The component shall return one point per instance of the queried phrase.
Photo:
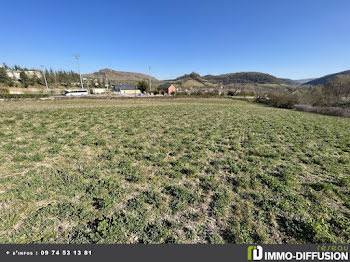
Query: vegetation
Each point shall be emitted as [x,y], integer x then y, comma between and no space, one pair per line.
[171,171]
[198,94]
[244,77]
[4,79]
[54,78]
[333,98]
[193,76]
[335,91]
[117,77]
[24,79]
[323,80]
[4,95]
[4,90]
[60,77]
[143,86]
[279,99]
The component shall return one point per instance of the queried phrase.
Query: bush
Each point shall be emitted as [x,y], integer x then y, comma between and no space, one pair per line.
[231,93]
[4,90]
[318,97]
[23,95]
[324,110]
[246,93]
[282,100]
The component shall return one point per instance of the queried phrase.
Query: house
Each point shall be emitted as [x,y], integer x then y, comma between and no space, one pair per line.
[167,89]
[97,91]
[126,90]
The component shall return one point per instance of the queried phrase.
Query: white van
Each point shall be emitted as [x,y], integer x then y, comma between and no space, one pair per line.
[79,92]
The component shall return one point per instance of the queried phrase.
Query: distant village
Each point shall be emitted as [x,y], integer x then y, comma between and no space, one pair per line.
[94,86]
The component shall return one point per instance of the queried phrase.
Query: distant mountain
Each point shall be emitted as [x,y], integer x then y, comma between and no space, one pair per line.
[323,80]
[296,82]
[195,80]
[290,81]
[303,81]
[244,78]
[118,77]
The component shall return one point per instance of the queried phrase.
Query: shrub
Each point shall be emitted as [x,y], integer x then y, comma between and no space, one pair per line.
[4,90]
[282,100]
[317,97]
[324,110]
[199,94]
[246,93]
[23,95]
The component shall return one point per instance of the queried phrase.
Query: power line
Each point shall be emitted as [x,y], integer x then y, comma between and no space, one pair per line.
[106,77]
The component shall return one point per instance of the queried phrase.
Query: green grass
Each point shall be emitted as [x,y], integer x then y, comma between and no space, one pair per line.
[171,171]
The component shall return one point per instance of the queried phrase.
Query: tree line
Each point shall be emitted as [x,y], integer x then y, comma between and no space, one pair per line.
[53,77]
[332,98]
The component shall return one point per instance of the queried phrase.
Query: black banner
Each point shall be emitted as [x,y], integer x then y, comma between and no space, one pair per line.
[142,253]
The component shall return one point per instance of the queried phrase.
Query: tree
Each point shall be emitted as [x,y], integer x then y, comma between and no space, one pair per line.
[17,68]
[24,79]
[338,86]
[143,86]
[5,66]
[231,92]
[35,80]
[3,76]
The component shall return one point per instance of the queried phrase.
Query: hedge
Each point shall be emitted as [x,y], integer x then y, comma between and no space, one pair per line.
[23,95]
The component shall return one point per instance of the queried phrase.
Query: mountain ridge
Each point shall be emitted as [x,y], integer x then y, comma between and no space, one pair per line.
[324,79]
[196,80]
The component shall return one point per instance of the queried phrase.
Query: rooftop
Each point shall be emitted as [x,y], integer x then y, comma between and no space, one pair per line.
[164,86]
[122,87]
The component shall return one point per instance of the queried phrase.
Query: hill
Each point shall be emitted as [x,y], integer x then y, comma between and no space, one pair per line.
[290,81]
[118,77]
[303,81]
[323,80]
[192,80]
[296,82]
[195,80]
[244,78]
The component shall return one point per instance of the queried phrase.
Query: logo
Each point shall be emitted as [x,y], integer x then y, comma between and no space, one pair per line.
[255,253]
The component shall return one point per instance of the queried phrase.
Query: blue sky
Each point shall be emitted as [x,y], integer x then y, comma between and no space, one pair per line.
[292,39]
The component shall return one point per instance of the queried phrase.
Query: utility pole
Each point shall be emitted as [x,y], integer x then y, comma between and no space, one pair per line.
[44,75]
[106,77]
[150,80]
[81,80]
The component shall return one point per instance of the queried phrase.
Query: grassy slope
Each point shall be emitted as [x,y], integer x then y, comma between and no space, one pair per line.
[118,77]
[184,171]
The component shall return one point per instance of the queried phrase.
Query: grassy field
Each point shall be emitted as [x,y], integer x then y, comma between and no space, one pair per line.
[171,171]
